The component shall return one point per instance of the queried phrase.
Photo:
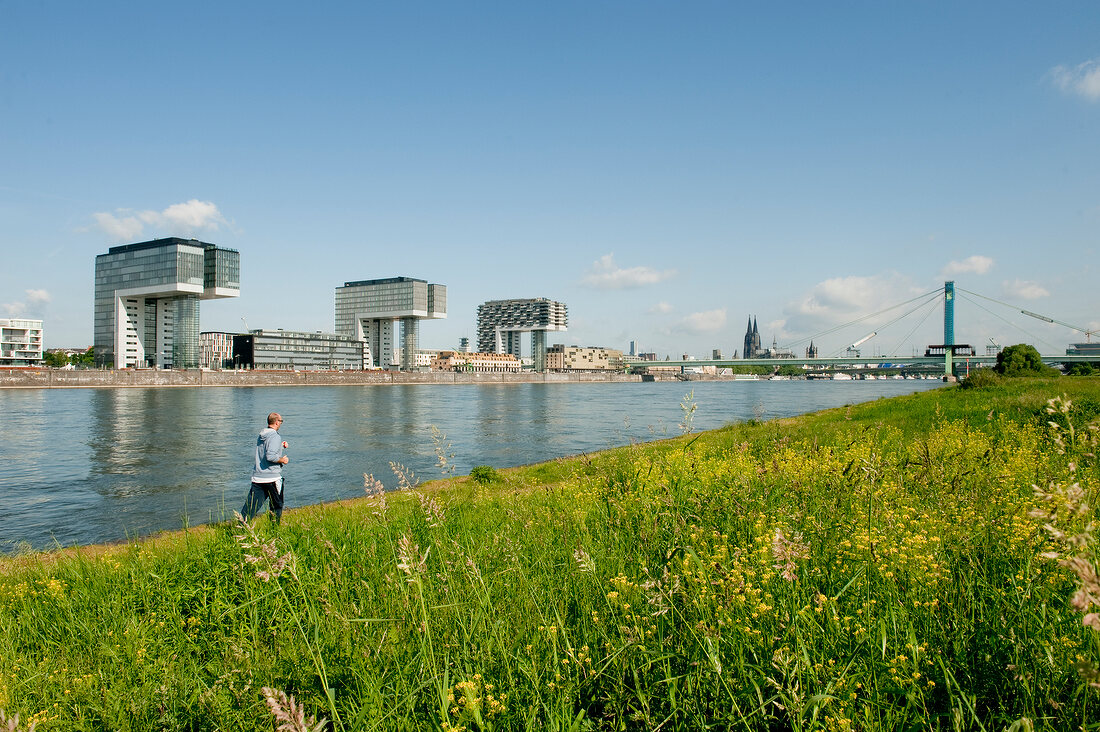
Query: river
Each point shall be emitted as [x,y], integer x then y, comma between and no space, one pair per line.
[92,465]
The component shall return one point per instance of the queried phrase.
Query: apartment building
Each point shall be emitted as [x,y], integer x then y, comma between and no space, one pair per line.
[586,358]
[20,342]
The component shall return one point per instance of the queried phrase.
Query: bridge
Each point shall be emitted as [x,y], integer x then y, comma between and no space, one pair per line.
[954,357]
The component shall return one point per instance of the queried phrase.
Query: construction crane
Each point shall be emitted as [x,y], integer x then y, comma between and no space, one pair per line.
[1088,333]
[853,350]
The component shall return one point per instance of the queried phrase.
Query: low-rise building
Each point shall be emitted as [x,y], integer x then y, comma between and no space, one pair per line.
[216,350]
[425,358]
[299,351]
[587,358]
[1083,349]
[477,362]
[20,342]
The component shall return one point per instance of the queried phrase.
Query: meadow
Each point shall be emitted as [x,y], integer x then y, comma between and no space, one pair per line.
[924,562]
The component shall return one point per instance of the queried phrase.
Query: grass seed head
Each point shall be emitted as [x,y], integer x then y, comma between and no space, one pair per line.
[290,715]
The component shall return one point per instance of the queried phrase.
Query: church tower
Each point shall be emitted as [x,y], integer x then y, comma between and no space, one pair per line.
[752,340]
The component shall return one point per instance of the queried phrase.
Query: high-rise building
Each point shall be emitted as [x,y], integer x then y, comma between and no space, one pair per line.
[501,323]
[147,300]
[20,342]
[386,313]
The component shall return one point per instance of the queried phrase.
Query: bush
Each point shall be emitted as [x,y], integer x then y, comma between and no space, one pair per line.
[484,474]
[1081,368]
[979,378]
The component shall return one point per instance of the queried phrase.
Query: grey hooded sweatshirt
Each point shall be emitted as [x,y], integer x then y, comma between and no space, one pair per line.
[269,448]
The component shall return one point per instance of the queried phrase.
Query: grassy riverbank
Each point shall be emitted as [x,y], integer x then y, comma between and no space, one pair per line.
[875,567]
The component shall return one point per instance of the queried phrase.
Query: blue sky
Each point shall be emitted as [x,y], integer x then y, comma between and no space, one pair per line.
[665,169]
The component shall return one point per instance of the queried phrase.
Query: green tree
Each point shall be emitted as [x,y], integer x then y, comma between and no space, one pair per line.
[84,360]
[1081,368]
[1021,360]
[55,359]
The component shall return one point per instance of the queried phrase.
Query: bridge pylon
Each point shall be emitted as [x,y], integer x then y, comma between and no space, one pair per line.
[948,328]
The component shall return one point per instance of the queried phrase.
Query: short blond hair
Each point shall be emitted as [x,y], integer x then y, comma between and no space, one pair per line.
[273,418]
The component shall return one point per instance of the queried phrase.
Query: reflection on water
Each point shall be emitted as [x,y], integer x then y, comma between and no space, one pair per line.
[88,465]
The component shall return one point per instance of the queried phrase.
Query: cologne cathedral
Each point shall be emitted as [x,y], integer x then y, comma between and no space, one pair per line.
[752,341]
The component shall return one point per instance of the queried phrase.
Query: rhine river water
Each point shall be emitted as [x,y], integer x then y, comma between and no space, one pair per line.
[80,466]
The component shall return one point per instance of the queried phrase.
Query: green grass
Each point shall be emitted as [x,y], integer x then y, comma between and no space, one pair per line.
[871,567]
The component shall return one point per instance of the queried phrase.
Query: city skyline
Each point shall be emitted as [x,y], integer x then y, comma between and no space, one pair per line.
[663,170]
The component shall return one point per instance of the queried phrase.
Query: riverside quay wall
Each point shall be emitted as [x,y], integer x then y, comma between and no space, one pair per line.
[31,378]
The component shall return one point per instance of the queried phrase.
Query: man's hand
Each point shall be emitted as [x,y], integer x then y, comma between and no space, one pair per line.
[284,460]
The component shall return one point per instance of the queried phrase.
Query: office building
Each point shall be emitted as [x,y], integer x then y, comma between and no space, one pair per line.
[501,323]
[1075,349]
[297,351]
[386,315]
[20,342]
[147,300]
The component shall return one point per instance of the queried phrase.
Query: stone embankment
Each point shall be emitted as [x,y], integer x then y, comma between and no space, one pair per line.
[89,378]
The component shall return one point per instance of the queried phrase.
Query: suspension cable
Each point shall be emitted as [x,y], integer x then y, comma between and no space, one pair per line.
[928,314]
[935,296]
[937,292]
[1005,320]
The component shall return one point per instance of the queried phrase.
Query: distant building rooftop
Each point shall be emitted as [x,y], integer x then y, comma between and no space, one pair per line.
[168,241]
[383,281]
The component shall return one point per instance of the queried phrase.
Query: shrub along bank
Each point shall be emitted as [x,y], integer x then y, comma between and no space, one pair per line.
[882,566]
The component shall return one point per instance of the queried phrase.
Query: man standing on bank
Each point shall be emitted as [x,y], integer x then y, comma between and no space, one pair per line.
[267,473]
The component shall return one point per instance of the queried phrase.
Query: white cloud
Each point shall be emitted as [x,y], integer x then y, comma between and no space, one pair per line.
[31,307]
[708,321]
[38,297]
[118,227]
[179,219]
[1025,289]
[660,308]
[192,215]
[976,264]
[606,275]
[1082,80]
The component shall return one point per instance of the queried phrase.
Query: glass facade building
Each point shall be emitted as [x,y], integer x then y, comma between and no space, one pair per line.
[147,300]
[294,350]
[386,314]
